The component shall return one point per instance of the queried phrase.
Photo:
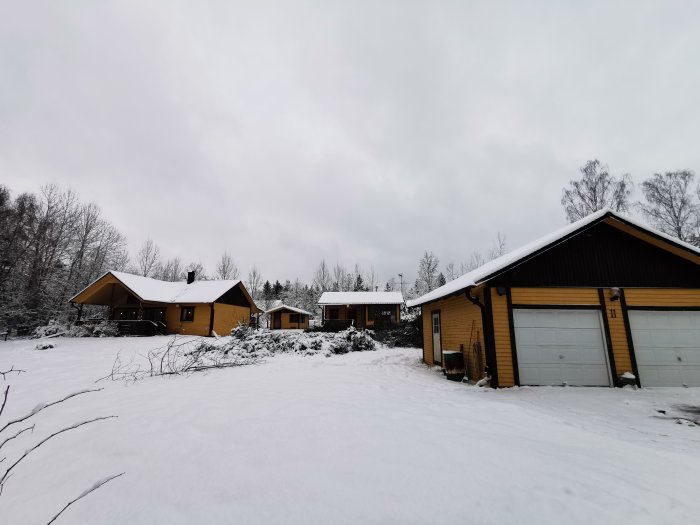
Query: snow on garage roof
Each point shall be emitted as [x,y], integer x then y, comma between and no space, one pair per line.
[290,308]
[488,270]
[337,298]
[154,290]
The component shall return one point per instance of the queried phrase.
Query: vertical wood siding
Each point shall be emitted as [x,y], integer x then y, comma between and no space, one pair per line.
[659,243]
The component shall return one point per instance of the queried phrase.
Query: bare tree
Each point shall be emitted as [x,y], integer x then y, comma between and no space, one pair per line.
[671,206]
[427,273]
[172,270]
[322,278]
[451,272]
[147,258]
[596,190]
[499,247]
[254,282]
[226,267]
[371,278]
[343,281]
[200,272]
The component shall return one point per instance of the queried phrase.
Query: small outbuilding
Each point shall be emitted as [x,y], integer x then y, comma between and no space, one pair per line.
[600,302]
[362,309]
[285,317]
[144,305]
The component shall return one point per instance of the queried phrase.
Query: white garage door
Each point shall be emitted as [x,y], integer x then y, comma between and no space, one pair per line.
[557,347]
[667,347]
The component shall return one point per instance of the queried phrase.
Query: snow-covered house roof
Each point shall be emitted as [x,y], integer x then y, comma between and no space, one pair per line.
[156,291]
[287,307]
[338,298]
[493,268]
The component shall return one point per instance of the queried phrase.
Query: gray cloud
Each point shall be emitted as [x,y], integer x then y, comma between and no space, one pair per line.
[287,132]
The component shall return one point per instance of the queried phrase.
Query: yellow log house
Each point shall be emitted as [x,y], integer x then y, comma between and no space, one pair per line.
[192,308]
[284,317]
[363,310]
[601,302]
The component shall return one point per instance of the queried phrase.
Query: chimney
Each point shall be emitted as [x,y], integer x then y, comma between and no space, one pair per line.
[190,277]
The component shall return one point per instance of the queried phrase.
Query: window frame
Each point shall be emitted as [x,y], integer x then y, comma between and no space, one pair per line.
[183,311]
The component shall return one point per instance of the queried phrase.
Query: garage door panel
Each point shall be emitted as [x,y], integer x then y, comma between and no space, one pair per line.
[667,347]
[558,347]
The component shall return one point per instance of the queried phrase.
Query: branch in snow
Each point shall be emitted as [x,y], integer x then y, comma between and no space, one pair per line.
[7,391]
[17,434]
[29,451]
[42,406]
[94,487]
[11,370]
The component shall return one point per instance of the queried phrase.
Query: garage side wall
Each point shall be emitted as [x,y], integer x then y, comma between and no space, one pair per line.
[501,335]
[461,329]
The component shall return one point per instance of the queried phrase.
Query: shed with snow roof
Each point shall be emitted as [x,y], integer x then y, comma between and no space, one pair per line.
[362,309]
[141,304]
[285,317]
[593,304]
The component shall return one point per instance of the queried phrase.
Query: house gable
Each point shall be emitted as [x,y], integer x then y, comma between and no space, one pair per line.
[606,254]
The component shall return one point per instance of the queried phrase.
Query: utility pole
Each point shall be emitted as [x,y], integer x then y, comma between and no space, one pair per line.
[401,280]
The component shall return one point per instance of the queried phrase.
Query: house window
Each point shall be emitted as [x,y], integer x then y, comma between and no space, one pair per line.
[187,314]
[333,313]
[436,325]
[294,318]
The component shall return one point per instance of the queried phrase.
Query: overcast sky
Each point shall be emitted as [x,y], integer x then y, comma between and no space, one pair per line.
[287,132]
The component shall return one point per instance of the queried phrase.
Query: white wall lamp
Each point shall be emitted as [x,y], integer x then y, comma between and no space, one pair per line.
[615,293]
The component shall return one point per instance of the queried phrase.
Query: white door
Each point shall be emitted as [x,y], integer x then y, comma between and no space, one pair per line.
[437,349]
[561,347]
[667,347]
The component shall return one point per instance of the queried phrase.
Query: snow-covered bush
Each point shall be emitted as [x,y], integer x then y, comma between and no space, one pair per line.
[105,329]
[53,328]
[45,346]
[268,342]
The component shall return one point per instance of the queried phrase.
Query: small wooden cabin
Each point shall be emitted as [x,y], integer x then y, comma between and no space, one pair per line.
[284,317]
[193,307]
[362,309]
[600,302]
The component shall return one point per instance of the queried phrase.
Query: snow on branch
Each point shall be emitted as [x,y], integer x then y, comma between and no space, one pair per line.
[7,473]
[42,406]
[94,487]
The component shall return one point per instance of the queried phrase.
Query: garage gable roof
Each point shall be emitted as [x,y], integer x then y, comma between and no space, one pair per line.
[497,266]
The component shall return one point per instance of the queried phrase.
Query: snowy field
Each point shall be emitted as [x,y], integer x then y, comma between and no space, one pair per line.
[372,437]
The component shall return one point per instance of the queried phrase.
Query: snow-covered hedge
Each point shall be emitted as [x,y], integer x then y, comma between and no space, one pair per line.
[102,329]
[263,343]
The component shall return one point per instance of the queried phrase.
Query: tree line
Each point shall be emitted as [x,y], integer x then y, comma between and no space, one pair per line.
[52,245]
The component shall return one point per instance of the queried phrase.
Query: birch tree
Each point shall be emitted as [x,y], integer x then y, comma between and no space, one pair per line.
[596,190]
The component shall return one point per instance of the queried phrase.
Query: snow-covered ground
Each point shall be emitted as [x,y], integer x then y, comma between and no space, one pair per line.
[372,437]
